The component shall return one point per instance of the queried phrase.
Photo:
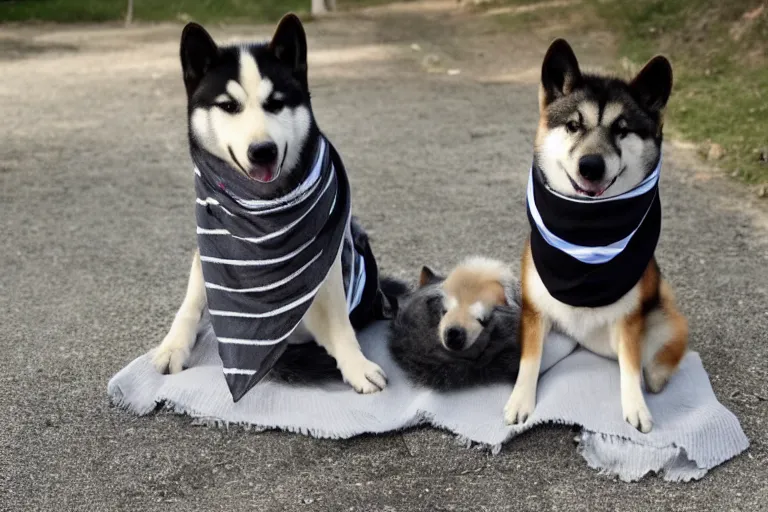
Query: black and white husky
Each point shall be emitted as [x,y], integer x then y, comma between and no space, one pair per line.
[259,154]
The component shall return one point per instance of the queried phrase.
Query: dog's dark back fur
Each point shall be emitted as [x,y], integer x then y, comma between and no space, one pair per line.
[416,347]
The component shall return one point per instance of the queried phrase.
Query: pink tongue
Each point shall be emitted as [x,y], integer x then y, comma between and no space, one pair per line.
[264,175]
[594,192]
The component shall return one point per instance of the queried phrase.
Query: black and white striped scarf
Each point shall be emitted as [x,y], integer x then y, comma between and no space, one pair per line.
[264,260]
[591,252]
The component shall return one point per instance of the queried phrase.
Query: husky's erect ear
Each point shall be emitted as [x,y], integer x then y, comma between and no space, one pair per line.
[428,276]
[560,73]
[289,44]
[653,84]
[198,53]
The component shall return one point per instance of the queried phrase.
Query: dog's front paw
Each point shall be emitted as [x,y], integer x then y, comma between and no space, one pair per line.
[520,406]
[363,375]
[638,415]
[170,355]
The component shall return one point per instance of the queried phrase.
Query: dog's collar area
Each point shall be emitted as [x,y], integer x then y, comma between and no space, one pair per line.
[590,252]
[649,182]
[239,183]
[562,220]
[299,193]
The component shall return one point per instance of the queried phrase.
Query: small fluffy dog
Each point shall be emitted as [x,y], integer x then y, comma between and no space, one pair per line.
[280,260]
[588,268]
[460,330]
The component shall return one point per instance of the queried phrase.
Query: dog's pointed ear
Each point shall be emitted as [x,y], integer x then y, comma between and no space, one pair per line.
[560,73]
[289,44]
[653,84]
[428,276]
[198,53]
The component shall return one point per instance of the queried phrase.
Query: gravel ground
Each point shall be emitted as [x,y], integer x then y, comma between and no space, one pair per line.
[96,190]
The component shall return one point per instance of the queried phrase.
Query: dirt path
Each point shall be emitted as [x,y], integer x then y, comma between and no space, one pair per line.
[96,188]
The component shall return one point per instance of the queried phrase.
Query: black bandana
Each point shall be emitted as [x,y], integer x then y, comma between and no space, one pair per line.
[264,260]
[591,252]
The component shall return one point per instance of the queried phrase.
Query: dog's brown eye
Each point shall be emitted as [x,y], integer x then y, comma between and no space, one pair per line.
[572,126]
[230,107]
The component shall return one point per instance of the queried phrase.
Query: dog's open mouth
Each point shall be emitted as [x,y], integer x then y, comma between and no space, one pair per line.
[266,173]
[591,189]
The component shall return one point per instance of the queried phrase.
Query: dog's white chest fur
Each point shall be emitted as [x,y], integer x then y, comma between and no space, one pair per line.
[591,327]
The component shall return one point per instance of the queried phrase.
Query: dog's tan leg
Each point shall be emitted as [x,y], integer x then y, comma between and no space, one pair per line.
[174,350]
[666,342]
[328,321]
[534,328]
[628,333]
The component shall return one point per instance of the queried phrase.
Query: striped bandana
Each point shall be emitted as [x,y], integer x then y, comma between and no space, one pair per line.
[591,252]
[264,260]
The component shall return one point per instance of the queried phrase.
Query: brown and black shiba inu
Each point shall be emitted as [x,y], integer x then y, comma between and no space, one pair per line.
[588,268]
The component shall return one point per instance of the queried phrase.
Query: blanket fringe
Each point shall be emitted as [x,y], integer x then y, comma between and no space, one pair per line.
[615,456]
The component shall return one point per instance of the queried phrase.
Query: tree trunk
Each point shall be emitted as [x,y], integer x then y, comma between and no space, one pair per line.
[320,7]
[129,13]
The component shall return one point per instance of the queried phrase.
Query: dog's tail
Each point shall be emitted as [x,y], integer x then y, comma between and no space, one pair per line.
[309,363]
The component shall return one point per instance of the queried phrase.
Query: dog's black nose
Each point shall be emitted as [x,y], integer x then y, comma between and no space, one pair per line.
[592,167]
[455,337]
[262,153]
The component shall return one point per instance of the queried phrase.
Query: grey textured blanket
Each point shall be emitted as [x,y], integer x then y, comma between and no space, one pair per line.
[692,431]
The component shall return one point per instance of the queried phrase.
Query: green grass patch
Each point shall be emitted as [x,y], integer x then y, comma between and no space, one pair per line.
[207,11]
[719,51]
[78,11]
[346,5]
[520,15]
